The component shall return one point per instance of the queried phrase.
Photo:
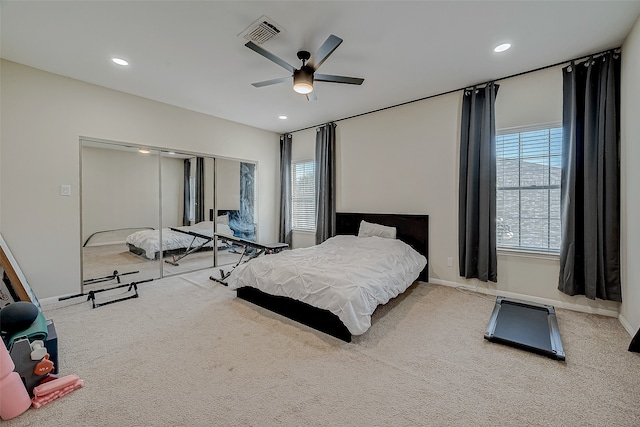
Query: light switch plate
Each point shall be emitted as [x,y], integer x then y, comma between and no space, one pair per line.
[65,190]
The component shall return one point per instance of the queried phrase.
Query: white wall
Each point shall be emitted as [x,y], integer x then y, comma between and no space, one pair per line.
[530,99]
[228,184]
[120,189]
[405,160]
[43,117]
[630,158]
[172,189]
[114,196]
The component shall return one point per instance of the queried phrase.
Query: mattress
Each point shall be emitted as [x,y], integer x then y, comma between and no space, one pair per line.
[149,240]
[346,275]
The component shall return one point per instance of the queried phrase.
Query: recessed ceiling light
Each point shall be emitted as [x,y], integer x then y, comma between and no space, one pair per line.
[143,150]
[282,117]
[502,47]
[119,61]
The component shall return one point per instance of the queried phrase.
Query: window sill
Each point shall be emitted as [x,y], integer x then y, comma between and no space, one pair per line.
[303,231]
[529,254]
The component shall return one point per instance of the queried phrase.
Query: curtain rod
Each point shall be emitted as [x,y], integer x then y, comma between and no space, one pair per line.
[578,59]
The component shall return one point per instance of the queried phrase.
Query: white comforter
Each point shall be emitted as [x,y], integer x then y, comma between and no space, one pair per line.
[149,240]
[347,275]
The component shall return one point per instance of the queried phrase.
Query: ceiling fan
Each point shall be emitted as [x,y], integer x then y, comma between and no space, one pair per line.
[304,76]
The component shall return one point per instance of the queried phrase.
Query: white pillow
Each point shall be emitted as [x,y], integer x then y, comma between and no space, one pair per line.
[368,229]
[203,226]
[224,229]
[222,219]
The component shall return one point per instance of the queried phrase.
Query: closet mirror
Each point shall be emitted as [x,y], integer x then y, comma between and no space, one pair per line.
[120,197]
[148,214]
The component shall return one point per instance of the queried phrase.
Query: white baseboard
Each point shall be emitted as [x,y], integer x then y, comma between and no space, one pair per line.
[538,300]
[625,324]
[45,302]
[54,302]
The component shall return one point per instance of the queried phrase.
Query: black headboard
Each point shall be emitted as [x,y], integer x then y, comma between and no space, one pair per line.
[411,229]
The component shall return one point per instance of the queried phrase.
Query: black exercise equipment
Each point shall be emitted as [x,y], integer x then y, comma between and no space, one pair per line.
[250,249]
[635,343]
[115,275]
[529,326]
[91,295]
[191,248]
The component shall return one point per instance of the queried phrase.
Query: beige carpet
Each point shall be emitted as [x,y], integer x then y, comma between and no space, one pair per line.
[188,353]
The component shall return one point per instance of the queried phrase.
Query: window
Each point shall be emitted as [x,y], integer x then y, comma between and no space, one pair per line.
[192,198]
[528,166]
[303,196]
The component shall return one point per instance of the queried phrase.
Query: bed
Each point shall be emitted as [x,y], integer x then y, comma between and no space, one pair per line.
[327,286]
[146,243]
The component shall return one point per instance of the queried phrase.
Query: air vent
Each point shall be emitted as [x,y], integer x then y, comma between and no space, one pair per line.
[261,30]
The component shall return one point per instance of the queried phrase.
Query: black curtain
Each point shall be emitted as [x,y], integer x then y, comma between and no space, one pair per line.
[325,182]
[199,213]
[590,187]
[477,185]
[187,192]
[285,185]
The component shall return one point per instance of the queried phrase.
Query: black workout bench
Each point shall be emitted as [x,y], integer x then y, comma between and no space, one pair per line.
[250,249]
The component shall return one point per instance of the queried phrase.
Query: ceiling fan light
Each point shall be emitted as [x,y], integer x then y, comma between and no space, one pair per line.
[303,88]
[303,82]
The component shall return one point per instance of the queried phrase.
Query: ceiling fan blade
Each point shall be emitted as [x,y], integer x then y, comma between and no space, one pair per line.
[337,79]
[271,57]
[312,96]
[272,82]
[325,50]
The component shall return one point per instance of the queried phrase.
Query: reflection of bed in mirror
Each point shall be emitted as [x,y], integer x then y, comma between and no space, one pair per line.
[175,240]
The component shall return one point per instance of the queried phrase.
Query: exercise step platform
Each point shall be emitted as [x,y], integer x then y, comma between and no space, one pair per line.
[528,326]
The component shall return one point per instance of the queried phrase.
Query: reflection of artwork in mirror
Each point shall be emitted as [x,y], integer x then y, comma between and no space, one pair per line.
[242,220]
[236,205]
[14,284]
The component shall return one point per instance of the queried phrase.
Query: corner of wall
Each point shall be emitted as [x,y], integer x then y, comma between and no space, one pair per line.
[630,200]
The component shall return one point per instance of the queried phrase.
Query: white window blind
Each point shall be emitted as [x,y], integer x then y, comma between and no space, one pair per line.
[303,196]
[528,171]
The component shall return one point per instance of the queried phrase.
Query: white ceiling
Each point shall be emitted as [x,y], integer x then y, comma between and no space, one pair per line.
[189,54]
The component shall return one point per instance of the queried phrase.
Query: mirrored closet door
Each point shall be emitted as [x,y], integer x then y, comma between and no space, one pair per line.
[235,203]
[148,214]
[120,199]
[187,197]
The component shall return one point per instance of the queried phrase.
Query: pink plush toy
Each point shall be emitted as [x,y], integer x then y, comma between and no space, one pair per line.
[14,398]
